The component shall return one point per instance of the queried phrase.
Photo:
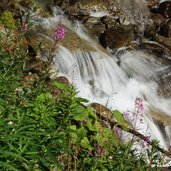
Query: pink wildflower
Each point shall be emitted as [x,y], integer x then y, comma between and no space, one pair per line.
[59,33]
[117,130]
[148,139]
[139,105]
[25,27]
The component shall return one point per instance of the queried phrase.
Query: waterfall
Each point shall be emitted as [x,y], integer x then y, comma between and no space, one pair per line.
[99,79]
[115,81]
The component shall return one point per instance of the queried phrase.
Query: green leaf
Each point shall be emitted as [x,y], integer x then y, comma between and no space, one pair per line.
[49,121]
[73,133]
[72,127]
[8,166]
[90,126]
[80,117]
[14,155]
[81,132]
[74,137]
[61,86]
[120,118]
[97,125]
[85,143]
[52,157]
[43,97]
[80,99]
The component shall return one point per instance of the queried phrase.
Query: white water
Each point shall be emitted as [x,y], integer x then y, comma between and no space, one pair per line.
[98,78]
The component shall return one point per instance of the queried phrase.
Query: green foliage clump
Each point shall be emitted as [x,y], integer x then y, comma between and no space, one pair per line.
[7,20]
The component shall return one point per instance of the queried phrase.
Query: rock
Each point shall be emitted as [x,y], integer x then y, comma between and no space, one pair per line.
[62,80]
[109,22]
[102,110]
[37,65]
[165,29]
[4,5]
[163,8]
[134,11]
[151,3]
[164,41]
[83,9]
[156,49]
[94,26]
[160,116]
[45,7]
[73,42]
[116,37]
[153,25]
[55,91]
[113,29]
[15,6]
[165,85]
[64,3]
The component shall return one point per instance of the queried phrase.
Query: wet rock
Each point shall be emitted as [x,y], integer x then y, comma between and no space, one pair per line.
[166,42]
[165,29]
[44,8]
[83,9]
[160,116]
[15,6]
[113,28]
[73,42]
[157,25]
[163,78]
[163,8]
[156,49]
[94,26]
[165,86]
[102,110]
[153,25]
[116,37]
[64,3]
[134,11]
[109,22]
[151,3]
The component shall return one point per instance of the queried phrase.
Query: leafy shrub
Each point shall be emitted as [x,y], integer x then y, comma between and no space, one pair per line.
[7,20]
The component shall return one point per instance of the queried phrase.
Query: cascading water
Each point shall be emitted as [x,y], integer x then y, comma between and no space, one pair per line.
[116,83]
[99,79]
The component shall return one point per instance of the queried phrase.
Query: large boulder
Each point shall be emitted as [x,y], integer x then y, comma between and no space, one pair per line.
[116,37]
[163,8]
[165,29]
[153,25]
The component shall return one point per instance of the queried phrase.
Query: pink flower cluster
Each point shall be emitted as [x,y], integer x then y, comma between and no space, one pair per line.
[59,33]
[98,150]
[148,138]
[25,27]
[139,105]
[137,114]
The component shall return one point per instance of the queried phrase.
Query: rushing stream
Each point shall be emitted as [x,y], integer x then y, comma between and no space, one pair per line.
[99,79]
[116,80]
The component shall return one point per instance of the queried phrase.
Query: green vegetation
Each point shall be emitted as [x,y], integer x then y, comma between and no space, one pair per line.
[43,132]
